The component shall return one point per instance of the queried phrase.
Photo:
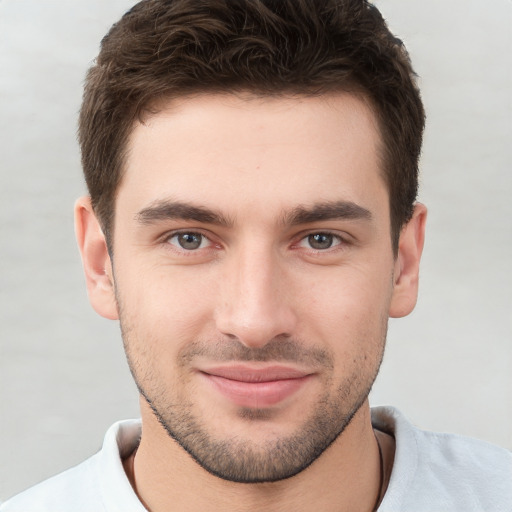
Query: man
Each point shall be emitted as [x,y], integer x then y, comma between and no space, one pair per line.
[252,169]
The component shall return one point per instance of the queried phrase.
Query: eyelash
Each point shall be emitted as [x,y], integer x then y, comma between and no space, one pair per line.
[339,242]
[187,252]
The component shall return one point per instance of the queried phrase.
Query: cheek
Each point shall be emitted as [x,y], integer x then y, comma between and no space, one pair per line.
[159,317]
[347,308]
[164,308]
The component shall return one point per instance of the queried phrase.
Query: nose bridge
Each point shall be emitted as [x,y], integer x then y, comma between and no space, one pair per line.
[254,306]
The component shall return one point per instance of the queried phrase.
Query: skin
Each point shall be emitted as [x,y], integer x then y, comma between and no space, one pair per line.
[257,291]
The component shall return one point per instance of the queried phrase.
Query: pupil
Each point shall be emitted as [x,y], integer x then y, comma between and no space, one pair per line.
[320,241]
[190,240]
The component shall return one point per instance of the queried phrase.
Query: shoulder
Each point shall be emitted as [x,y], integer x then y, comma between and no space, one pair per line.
[92,485]
[438,471]
[61,492]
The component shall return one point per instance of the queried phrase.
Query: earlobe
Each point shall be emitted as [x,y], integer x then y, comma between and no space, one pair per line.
[95,259]
[406,273]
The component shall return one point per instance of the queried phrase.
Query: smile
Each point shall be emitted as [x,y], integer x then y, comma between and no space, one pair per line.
[256,388]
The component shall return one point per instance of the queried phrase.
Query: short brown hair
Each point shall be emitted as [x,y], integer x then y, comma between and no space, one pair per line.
[171,48]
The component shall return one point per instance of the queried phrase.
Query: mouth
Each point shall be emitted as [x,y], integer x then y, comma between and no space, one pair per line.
[256,388]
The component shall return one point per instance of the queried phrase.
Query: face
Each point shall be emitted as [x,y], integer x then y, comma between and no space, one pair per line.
[254,274]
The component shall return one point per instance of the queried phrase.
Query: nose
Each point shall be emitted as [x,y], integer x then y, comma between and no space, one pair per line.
[255,303]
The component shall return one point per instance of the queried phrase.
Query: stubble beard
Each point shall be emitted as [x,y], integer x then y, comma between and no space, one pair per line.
[239,460]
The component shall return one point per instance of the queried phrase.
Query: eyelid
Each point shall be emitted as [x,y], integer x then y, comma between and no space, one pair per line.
[165,239]
[342,238]
[203,241]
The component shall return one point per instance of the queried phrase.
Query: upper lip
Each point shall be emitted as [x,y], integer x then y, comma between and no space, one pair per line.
[247,374]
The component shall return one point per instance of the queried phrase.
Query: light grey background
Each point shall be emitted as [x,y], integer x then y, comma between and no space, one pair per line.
[63,379]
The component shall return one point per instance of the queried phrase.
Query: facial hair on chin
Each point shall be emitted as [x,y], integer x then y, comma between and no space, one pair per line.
[238,460]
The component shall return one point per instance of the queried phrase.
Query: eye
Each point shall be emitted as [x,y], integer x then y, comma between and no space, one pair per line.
[189,241]
[320,241]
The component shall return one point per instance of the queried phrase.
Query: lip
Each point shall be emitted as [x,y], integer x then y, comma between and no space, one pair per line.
[256,388]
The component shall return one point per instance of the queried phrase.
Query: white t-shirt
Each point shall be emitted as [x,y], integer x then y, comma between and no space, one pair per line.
[432,472]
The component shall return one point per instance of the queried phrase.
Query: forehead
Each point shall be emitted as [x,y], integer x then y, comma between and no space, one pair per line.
[231,152]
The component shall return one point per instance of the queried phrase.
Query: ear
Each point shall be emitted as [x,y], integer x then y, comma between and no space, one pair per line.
[95,260]
[410,247]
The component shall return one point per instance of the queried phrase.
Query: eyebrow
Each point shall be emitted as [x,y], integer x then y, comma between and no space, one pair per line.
[177,210]
[168,210]
[331,210]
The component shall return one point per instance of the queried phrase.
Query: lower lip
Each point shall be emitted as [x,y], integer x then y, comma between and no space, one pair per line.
[256,395]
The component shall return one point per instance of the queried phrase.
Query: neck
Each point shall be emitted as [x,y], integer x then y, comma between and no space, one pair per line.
[346,477]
